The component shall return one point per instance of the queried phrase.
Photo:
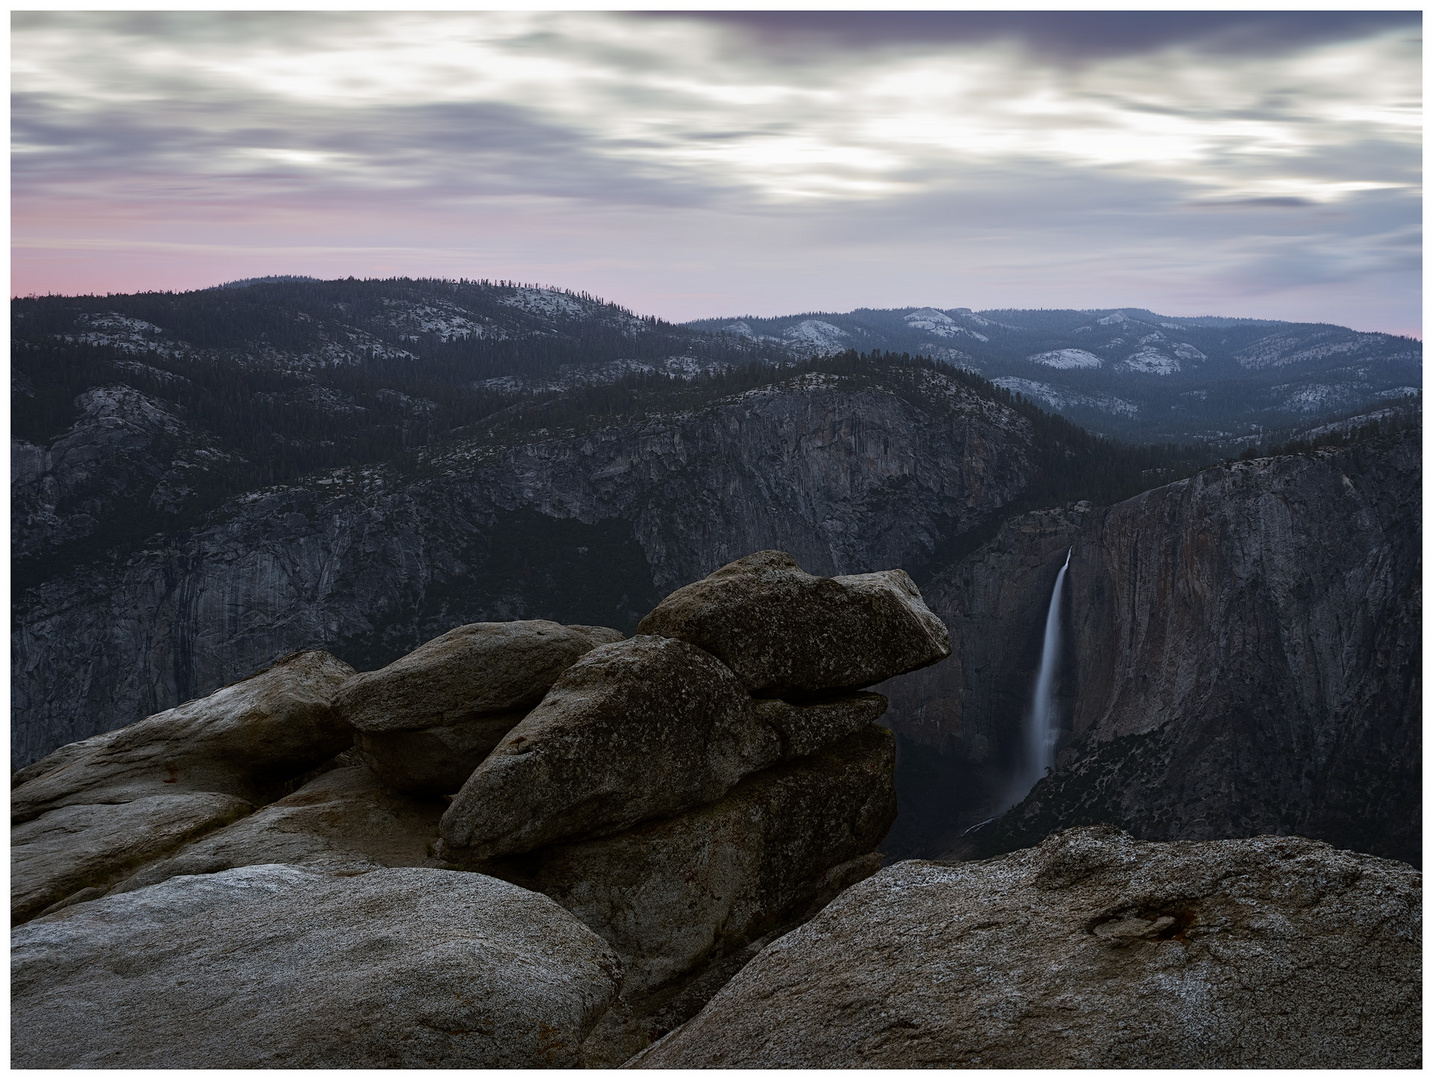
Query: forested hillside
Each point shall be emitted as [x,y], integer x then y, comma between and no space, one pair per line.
[1129,372]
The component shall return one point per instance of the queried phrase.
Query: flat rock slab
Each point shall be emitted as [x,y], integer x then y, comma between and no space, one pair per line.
[634,730]
[79,848]
[671,895]
[281,967]
[1091,951]
[245,740]
[787,633]
[344,821]
[471,671]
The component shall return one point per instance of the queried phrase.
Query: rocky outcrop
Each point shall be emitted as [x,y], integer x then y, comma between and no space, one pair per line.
[647,793]
[677,816]
[94,812]
[787,633]
[588,529]
[1242,658]
[345,821]
[282,967]
[673,893]
[1090,951]
[244,740]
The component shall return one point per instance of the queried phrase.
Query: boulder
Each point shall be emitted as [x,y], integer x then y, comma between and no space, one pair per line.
[598,635]
[246,740]
[472,671]
[1091,951]
[808,727]
[282,967]
[344,821]
[428,719]
[638,729]
[80,849]
[673,894]
[787,633]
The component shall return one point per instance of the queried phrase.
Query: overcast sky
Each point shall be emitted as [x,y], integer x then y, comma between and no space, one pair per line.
[689,166]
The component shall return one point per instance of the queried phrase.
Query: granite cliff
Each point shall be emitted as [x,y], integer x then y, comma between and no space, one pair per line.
[847,475]
[1242,657]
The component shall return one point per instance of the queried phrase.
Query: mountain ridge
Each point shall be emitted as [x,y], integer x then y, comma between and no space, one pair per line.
[1128,371]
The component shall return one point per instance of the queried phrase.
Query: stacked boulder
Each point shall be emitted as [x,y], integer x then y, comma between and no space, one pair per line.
[713,780]
[679,798]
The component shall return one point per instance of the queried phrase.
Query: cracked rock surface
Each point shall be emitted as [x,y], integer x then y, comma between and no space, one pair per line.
[1093,950]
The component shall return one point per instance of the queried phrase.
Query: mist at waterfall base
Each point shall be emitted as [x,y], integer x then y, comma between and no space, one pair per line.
[1042,722]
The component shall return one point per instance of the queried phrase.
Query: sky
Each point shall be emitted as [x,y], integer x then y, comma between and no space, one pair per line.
[693,165]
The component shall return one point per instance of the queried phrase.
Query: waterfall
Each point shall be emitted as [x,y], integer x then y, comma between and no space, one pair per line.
[1042,725]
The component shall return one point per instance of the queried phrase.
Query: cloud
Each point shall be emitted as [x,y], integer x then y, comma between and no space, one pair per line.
[1266,202]
[660,97]
[1058,37]
[1164,141]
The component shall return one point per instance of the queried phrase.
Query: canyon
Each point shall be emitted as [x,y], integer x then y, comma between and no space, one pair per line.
[1240,636]
[338,616]
[1242,646]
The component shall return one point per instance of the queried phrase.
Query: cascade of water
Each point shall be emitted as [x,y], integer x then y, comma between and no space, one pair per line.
[1041,725]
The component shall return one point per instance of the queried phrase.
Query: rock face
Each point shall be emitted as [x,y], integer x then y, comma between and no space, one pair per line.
[634,730]
[787,633]
[670,894]
[344,821]
[242,740]
[1242,658]
[960,725]
[281,967]
[370,569]
[95,812]
[124,449]
[1308,686]
[1090,951]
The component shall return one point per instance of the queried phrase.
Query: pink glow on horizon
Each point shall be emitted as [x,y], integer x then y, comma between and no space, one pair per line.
[677,268]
